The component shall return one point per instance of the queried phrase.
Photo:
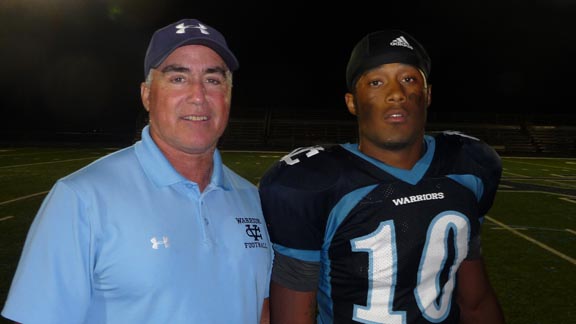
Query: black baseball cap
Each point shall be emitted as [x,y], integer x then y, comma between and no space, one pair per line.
[186,32]
[382,47]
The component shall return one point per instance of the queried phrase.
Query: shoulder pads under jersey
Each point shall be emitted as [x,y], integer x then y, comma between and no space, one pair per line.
[306,168]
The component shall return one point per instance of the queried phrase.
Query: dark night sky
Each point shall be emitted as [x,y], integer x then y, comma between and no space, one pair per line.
[77,65]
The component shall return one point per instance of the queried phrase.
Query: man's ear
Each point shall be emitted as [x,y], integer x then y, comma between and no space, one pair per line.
[145,95]
[350,103]
[428,95]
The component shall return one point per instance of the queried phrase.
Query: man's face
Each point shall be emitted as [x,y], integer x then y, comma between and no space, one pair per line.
[390,103]
[188,100]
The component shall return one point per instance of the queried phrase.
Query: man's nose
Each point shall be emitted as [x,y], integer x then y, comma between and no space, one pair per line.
[196,92]
[395,92]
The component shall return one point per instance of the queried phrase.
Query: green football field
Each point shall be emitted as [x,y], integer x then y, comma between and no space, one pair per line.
[529,236]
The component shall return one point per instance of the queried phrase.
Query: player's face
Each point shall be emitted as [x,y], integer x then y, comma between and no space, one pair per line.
[390,104]
[188,100]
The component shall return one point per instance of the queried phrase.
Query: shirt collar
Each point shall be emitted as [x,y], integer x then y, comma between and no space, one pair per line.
[158,169]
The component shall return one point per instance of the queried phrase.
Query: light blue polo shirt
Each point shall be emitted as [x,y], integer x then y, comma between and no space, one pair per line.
[127,239]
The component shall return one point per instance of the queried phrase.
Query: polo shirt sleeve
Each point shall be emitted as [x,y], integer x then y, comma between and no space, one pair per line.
[53,279]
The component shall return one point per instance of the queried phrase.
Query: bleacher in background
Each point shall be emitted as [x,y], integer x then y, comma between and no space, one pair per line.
[509,134]
[275,129]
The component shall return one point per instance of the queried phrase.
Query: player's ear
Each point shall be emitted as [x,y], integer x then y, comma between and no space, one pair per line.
[145,95]
[428,95]
[350,103]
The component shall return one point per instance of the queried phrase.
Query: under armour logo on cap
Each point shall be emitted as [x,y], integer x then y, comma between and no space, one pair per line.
[186,32]
[181,28]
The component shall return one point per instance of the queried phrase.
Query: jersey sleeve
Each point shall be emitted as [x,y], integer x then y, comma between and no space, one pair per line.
[476,161]
[295,274]
[52,281]
[478,167]
[488,166]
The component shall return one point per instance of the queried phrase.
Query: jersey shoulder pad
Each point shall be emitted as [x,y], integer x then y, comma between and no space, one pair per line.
[463,154]
[307,168]
[468,149]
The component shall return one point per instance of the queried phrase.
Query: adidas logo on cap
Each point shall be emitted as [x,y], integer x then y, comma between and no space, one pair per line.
[401,41]
[384,47]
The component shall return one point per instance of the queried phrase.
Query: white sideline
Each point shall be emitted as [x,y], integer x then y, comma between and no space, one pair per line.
[529,239]
[23,197]
[39,163]
[568,200]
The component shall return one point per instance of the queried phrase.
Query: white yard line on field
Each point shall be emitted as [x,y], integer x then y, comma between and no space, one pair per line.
[560,183]
[515,174]
[541,165]
[541,192]
[5,218]
[568,200]
[23,197]
[531,240]
[51,162]
[557,175]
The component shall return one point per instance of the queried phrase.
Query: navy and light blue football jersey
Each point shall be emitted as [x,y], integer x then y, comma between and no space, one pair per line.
[388,241]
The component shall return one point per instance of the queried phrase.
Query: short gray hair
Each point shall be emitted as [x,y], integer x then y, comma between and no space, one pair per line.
[148,80]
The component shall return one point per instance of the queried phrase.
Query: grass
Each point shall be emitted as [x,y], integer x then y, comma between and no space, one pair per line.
[529,237]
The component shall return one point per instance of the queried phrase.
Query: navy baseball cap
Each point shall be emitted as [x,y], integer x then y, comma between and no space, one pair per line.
[186,32]
[382,47]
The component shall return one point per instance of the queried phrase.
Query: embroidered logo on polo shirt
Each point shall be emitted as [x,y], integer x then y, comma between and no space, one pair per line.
[253,231]
[252,228]
[156,243]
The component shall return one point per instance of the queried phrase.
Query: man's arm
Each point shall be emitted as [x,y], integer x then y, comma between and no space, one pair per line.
[289,306]
[476,298]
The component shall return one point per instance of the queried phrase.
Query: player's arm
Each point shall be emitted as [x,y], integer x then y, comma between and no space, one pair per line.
[265,316]
[290,306]
[293,287]
[476,298]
